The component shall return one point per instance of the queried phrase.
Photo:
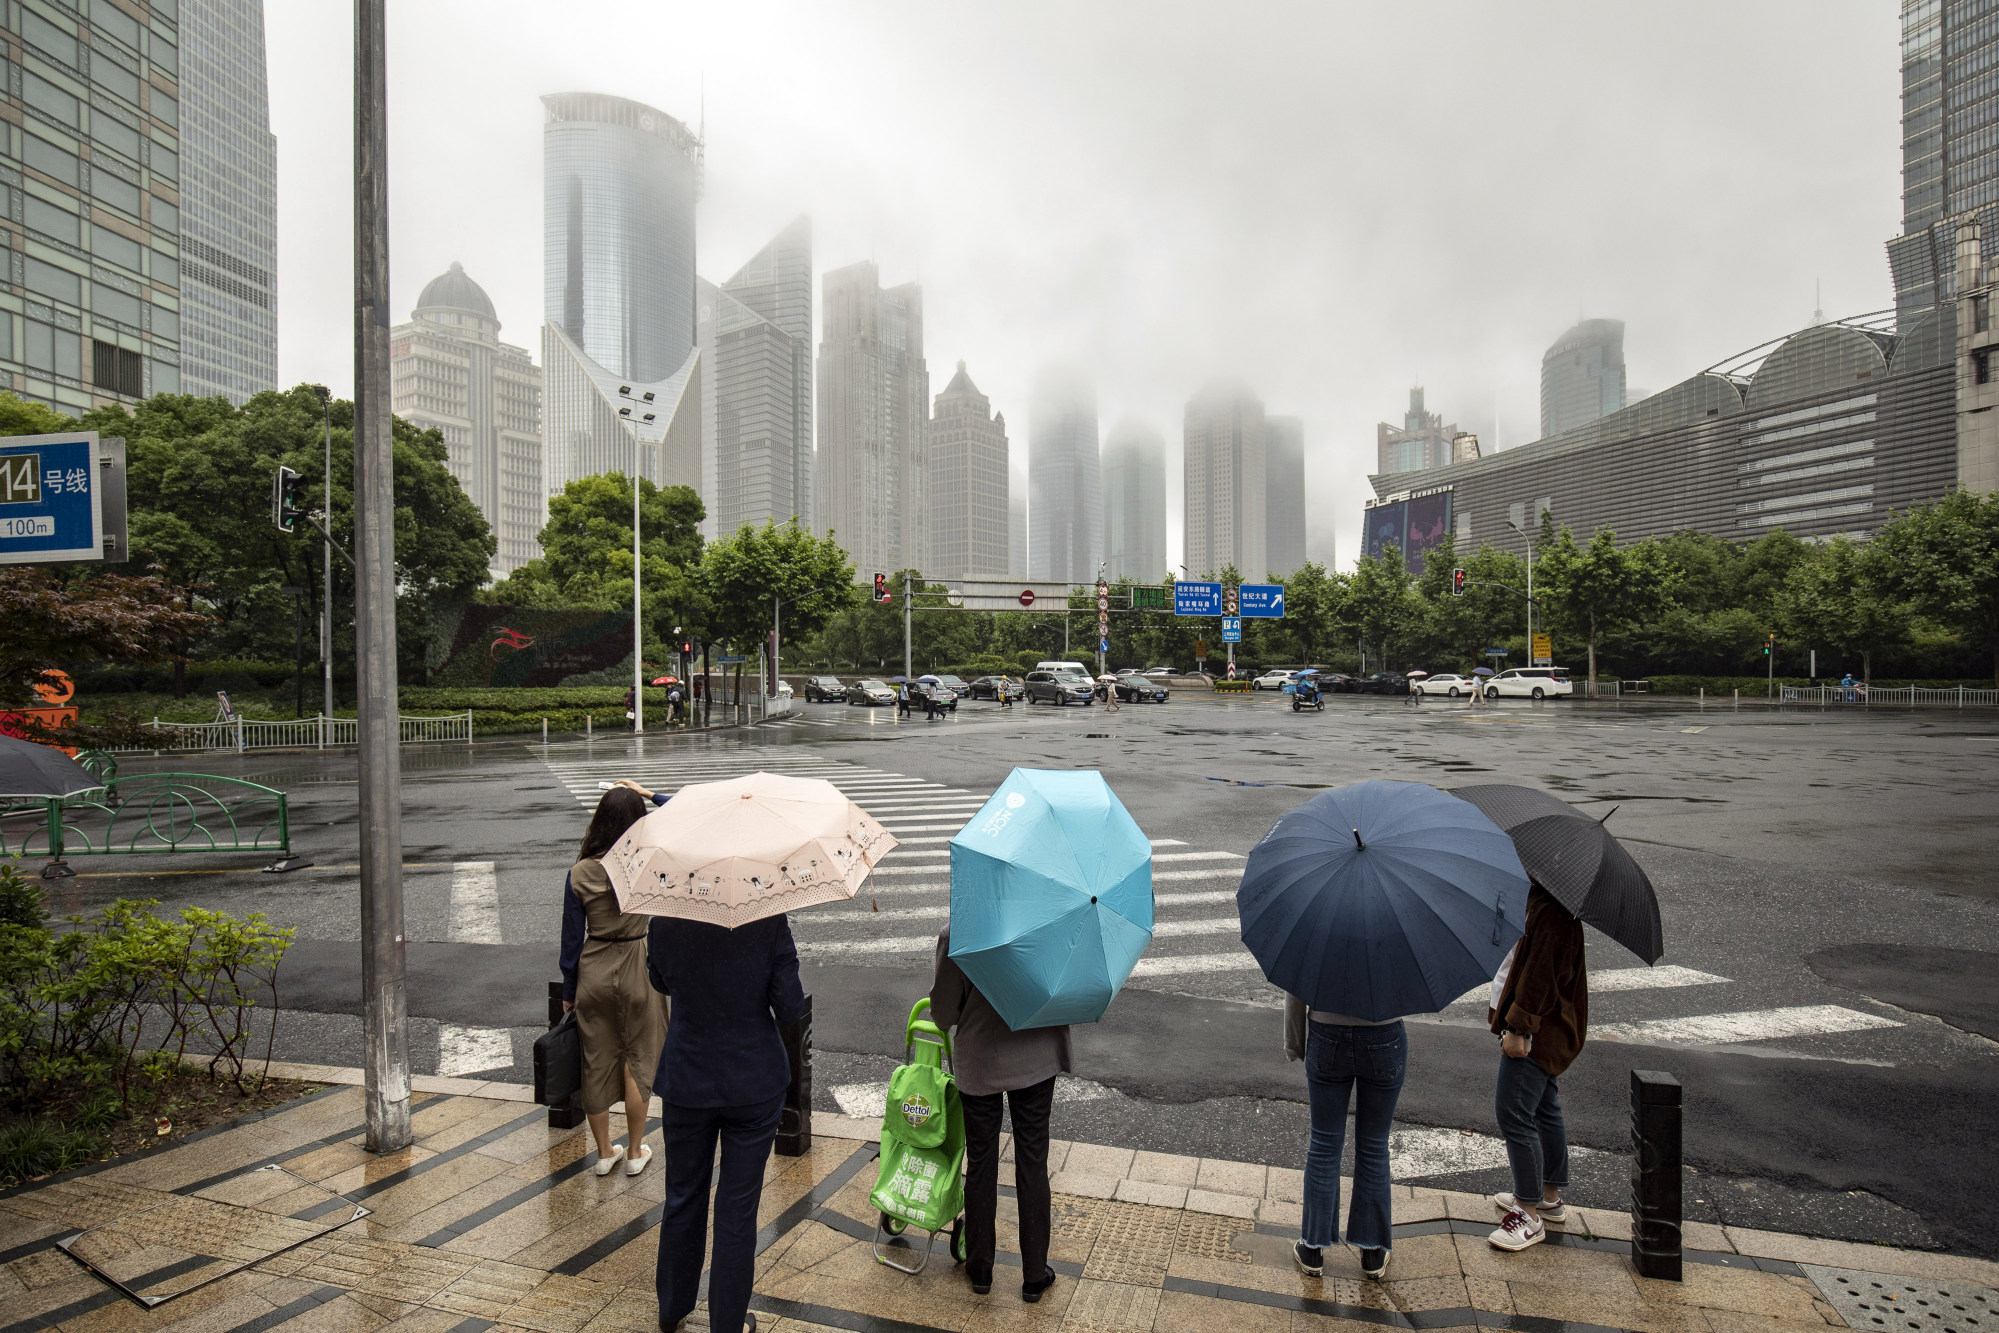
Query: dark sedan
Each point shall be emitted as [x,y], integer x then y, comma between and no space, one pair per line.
[824,690]
[1383,682]
[958,687]
[1337,682]
[992,687]
[1139,690]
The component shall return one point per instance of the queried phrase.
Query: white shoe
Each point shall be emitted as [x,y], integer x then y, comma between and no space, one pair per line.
[1557,1211]
[1517,1231]
[607,1164]
[637,1164]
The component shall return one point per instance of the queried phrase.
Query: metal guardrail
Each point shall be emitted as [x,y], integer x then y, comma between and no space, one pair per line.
[151,815]
[1909,695]
[318,732]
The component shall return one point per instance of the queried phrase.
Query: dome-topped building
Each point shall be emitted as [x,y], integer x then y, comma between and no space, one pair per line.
[449,371]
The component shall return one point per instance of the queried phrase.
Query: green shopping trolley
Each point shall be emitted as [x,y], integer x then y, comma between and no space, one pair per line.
[922,1180]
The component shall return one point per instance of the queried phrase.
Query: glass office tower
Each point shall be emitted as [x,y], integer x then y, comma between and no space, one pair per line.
[229,203]
[1582,376]
[1950,143]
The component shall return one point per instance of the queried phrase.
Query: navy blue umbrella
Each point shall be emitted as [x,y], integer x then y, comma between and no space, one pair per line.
[1382,899]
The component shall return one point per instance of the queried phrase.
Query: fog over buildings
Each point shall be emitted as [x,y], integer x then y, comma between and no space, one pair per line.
[1046,179]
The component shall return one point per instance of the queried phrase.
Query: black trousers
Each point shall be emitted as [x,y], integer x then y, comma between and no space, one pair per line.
[1030,1107]
[688,1135]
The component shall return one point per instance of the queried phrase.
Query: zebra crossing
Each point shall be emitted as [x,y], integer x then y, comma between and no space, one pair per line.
[1196,947]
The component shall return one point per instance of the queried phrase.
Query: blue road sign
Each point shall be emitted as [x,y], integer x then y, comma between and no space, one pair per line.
[1197,599]
[1262,601]
[1103,645]
[1494,652]
[51,501]
[1232,629]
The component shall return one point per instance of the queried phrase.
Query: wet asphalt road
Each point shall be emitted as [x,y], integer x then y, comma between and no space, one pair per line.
[1832,924]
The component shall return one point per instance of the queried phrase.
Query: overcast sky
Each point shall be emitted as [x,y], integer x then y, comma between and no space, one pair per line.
[1330,201]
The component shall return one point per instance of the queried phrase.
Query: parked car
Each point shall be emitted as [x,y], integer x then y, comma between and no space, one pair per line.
[1272,680]
[1338,682]
[1133,688]
[1060,687]
[1156,672]
[1531,683]
[824,690]
[942,696]
[1382,682]
[992,687]
[1446,684]
[868,693]
[958,687]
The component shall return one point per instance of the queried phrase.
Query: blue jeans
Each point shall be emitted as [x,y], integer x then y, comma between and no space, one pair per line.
[1365,1066]
[1529,1109]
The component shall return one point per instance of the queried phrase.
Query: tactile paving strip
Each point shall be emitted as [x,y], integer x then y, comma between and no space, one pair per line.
[1886,1303]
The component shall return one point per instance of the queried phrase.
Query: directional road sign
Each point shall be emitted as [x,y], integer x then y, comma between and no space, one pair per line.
[1232,629]
[1197,599]
[1103,645]
[1262,601]
[1494,652]
[62,497]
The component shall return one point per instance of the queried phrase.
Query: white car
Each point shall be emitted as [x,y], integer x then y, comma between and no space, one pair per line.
[1272,680]
[1451,687]
[1531,683]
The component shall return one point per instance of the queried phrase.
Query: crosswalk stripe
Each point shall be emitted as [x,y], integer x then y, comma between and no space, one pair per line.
[475,904]
[1175,965]
[1805,1020]
[1619,979]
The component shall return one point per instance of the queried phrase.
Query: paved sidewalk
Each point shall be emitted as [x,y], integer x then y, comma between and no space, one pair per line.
[493,1219]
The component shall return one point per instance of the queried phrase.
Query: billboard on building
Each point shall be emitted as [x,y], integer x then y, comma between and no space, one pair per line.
[1429,522]
[1383,528]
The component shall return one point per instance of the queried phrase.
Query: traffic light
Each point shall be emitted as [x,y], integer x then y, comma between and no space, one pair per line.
[687,647]
[1457,583]
[287,499]
[1768,641]
[882,594]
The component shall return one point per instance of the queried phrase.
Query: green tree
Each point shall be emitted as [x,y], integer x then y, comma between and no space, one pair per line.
[1381,603]
[1944,559]
[1839,598]
[1457,628]
[1601,586]
[778,569]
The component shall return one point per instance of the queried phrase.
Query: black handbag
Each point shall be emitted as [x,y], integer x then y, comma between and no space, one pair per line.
[558,1062]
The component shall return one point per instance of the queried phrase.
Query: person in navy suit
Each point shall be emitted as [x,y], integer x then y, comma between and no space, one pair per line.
[722,1077]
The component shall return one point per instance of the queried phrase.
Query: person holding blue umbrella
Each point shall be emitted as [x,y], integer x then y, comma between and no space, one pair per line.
[1051,906]
[1365,904]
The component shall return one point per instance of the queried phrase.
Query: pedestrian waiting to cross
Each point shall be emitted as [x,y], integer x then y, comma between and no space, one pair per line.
[620,1019]
[1353,1061]
[1540,1011]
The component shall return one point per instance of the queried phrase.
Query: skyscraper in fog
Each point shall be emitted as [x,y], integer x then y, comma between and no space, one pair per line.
[1284,496]
[870,490]
[228,203]
[1422,440]
[448,369]
[1582,376]
[1949,104]
[1225,487]
[619,185]
[1016,529]
[968,484]
[756,369]
[1134,466]
[1065,508]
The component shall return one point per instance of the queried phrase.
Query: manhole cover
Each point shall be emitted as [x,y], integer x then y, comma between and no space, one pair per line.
[1885,1303]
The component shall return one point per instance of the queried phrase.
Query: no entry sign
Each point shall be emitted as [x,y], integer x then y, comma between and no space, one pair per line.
[1027,597]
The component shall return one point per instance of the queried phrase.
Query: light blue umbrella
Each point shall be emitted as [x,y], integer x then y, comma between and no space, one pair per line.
[1051,897]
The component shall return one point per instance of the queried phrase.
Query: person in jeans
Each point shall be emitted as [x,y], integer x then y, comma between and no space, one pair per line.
[1540,1011]
[998,1068]
[1355,1061]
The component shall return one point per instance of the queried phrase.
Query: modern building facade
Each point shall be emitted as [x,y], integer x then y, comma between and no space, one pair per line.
[1134,466]
[1824,432]
[1421,441]
[449,370]
[1950,146]
[1225,483]
[229,203]
[1582,376]
[756,368]
[1065,506]
[871,476]
[970,503]
[91,169]
[621,390]
[1284,494]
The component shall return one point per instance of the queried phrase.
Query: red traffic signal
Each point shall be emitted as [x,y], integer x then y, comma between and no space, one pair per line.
[882,593]
[1457,583]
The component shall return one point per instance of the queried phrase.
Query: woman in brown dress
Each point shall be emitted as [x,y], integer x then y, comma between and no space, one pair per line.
[620,1017]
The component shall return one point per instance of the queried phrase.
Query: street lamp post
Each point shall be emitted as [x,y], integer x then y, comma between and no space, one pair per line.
[1530,587]
[325,396]
[627,414]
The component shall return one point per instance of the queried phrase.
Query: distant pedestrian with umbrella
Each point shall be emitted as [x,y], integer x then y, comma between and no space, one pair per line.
[1051,906]
[1365,904]
[1540,995]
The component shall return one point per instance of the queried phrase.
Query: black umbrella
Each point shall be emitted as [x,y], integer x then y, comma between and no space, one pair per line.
[1576,859]
[38,772]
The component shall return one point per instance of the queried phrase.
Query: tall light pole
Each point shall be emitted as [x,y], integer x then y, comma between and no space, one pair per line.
[384,1001]
[1530,587]
[325,396]
[634,413]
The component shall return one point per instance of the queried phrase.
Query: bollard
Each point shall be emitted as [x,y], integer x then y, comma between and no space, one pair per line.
[1655,1174]
[794,1128]
[589,725]
[570,1114]
[544,731]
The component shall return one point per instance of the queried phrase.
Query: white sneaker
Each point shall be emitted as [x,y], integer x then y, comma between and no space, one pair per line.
[638,1164]
[1557,1211]
[1517,1231]
[607,1164]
